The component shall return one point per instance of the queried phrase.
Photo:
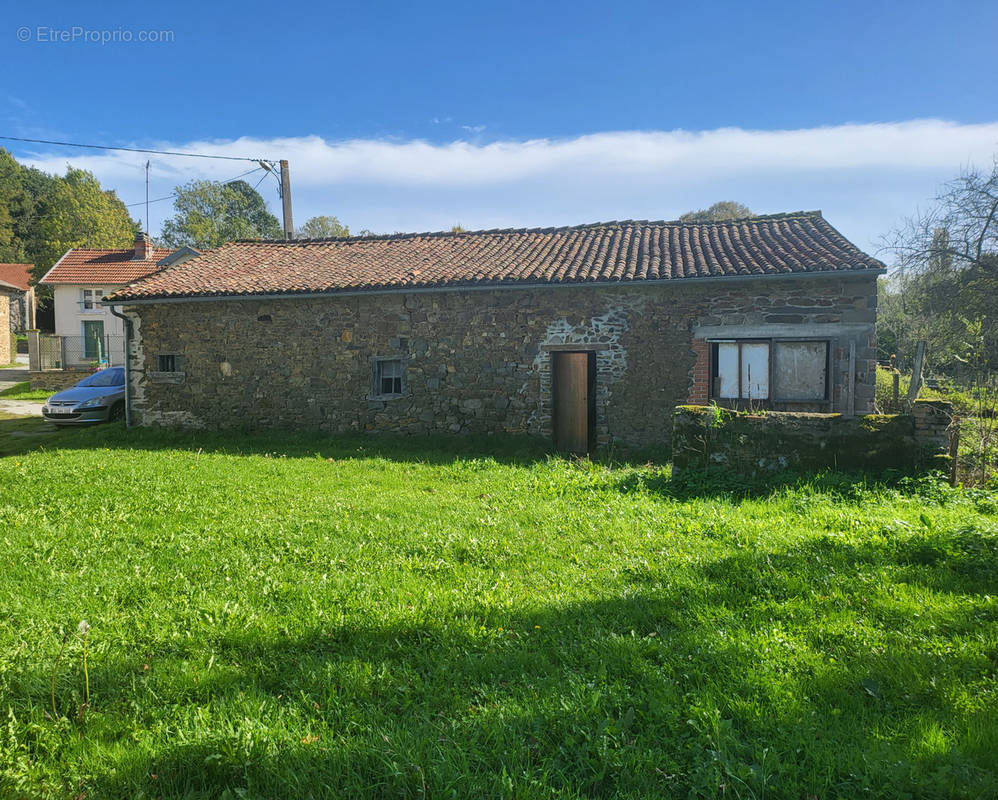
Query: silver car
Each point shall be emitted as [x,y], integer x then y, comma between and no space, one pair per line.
[97,398]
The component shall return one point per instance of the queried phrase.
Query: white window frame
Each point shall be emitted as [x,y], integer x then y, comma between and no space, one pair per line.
[773,390]
[743,369]
[95,296]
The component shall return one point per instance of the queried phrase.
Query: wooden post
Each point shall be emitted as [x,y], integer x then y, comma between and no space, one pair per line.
[916,373]
[34,351]
[289,228]
[851,399]
[954,453]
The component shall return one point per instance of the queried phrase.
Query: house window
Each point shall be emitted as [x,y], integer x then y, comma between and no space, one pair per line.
[387,377]
[740,370]
[90,300]
[800,371]
[166,363]
[786,371]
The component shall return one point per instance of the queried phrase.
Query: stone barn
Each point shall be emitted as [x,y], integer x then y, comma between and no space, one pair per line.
[586,334]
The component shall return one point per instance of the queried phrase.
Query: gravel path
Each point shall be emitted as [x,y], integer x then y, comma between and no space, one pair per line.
[21,408]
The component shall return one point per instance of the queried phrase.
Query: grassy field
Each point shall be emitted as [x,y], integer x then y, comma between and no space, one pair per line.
[23,391]
[310,617]
[978,444]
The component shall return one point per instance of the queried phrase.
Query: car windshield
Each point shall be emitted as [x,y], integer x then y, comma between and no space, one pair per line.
[106,377]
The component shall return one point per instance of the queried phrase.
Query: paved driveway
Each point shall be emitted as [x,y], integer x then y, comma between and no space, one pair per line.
[8,377]
[21,408]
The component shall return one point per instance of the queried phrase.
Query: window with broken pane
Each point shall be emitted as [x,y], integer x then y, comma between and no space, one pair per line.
[388,376]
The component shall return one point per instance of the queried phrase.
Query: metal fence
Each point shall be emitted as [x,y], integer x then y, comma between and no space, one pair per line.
[80,352]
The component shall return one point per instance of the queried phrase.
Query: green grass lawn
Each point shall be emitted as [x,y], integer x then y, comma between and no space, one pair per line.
[359,617]
[23,391]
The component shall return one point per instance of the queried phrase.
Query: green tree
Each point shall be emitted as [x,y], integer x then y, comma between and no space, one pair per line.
[77,212]
[323,227]
[719,212]
[945,273]
[23,190]
[209,214]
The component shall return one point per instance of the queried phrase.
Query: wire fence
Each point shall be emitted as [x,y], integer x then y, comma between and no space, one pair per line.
[80,352]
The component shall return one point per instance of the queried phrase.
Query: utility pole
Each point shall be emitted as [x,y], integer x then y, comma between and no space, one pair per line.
[289,228]
[147,197]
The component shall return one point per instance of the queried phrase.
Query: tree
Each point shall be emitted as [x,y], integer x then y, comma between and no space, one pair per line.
[945,272]
[78,213]
[323,227]
[23,191]
[960,228]
[719,212]
[209,214]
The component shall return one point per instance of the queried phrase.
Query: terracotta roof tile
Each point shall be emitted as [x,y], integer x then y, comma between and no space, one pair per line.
[16,275]
[112,266]
[609,252]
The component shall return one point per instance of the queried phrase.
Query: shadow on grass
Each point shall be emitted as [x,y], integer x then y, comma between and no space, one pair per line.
[14,440]
[19,436]
[429,449]
[725,484]
[699,684]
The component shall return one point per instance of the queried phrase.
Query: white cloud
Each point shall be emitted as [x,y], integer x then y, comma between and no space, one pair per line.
[864,176]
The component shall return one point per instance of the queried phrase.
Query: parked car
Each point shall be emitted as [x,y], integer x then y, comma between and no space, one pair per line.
[97,398]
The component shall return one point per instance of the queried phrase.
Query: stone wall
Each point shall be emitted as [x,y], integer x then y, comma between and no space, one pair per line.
[56,380]
[800,312]
[705,437]
[17,303]
[6,353]
[475,361]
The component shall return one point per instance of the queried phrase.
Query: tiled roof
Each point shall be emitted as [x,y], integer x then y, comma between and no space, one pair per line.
[16,275]
[118,266]
[9,287]
[609,252]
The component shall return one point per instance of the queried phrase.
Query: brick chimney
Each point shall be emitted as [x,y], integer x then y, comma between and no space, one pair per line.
[143,247]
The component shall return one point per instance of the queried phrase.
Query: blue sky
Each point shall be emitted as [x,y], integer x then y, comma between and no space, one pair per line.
[403,116]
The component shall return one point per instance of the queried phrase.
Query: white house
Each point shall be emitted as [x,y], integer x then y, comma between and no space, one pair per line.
[89,331]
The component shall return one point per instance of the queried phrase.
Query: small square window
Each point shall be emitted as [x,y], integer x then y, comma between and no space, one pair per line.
[166,363]
[800,370]
[387,377]
[90,300]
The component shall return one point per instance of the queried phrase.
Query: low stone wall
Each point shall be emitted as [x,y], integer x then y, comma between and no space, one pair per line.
[56,380]
[707,436]
[6,354]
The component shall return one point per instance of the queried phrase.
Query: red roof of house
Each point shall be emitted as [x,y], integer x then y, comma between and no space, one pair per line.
[609,252]
[16,275]
[111,266]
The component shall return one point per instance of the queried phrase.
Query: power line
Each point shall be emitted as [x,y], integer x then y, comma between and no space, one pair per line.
[129,149]
[157,200]
[174,194]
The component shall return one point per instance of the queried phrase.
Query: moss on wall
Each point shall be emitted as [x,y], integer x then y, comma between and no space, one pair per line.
[705,437]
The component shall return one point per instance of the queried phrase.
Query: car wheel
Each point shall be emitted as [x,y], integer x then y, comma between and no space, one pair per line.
[116,413]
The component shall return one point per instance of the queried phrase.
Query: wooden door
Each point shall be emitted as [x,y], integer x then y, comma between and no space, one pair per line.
[572,397]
